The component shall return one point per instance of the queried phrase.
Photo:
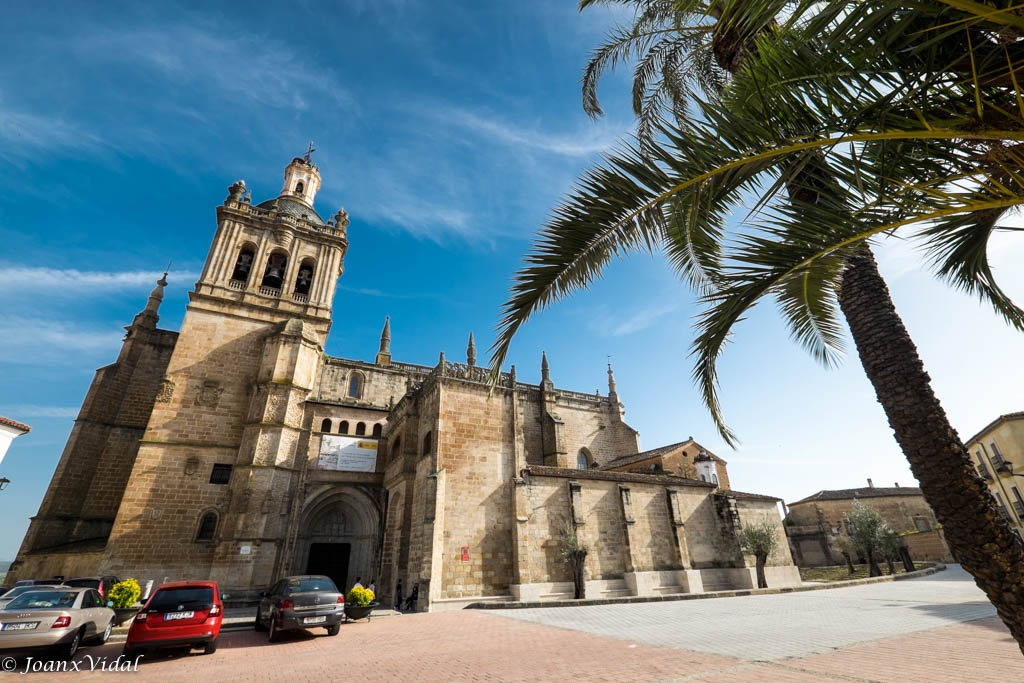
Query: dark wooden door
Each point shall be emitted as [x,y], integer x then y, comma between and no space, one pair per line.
[330,559]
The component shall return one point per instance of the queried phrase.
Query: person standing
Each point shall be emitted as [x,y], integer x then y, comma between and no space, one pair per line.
[398,596]
[358,583]
[373,586]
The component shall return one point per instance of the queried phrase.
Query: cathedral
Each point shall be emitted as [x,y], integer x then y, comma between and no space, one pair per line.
[236,450]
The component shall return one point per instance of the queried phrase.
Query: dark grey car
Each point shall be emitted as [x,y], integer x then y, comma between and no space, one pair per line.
[300,602]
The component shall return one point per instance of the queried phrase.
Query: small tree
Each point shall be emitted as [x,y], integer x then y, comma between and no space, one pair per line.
[759,540]
[846,548]
[890,544]
[574,552]
[866,528]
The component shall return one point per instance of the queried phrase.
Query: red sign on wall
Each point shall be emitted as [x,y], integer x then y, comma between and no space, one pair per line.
[465,553]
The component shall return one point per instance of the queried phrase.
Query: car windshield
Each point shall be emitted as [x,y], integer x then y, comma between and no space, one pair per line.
[312,583]
[175,599]
[20,590]
[37,599]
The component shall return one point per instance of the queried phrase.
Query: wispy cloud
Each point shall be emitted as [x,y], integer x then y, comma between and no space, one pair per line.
[589,140]
[28,341]
[419,216]
[23,135]
[640,321]
[71,282]
[25,411]
[219,58]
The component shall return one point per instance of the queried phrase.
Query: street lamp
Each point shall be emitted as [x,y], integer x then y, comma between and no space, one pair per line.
[4,481]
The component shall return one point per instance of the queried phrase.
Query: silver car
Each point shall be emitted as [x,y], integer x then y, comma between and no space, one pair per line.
[58,620]
[23,588]
[300,602]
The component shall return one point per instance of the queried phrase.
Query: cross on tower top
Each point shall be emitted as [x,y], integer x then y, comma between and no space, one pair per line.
[309,151]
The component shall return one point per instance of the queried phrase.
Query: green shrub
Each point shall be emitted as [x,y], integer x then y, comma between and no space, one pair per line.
[124,594]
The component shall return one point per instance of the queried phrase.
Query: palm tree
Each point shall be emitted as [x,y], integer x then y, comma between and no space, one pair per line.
[919,124]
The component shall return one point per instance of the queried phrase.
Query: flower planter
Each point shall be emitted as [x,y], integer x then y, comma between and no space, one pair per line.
[123,614]
[353,612]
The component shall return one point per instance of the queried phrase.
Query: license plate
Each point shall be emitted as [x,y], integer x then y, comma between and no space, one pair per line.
[314,620]
[20,626]
[171,616]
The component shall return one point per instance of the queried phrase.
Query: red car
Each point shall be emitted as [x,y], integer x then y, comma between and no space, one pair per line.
[184,614]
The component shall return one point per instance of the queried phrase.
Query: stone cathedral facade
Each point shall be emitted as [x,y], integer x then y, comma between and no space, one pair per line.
[236,450]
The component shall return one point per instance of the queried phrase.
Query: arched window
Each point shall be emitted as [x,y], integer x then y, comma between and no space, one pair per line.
[361,429]
[273,275]
[299,187]
[355,385]
[343,427]
[702,477]
[243,265]
[207,526]
[396,450]
[714,479]
[377,429]
[325,426]
[428,439]
[582,460]
[304,279]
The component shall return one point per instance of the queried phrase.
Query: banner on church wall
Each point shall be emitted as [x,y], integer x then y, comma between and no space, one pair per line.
[348,453]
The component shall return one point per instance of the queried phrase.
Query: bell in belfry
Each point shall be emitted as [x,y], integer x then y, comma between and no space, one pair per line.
[274,275]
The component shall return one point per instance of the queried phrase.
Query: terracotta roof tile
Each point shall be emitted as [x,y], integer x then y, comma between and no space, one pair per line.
[11,423]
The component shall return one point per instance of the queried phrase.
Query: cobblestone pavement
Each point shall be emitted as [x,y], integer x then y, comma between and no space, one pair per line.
[914,638]
[769,627]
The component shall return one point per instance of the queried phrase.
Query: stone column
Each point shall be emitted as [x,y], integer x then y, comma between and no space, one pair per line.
[688,577]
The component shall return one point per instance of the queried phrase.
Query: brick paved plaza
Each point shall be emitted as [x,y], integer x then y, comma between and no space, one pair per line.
[937,628]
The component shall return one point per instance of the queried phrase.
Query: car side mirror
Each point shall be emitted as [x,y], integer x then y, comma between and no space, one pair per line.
[264,594]
[224,596]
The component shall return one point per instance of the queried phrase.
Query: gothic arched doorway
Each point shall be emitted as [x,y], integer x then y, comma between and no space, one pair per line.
[338,536]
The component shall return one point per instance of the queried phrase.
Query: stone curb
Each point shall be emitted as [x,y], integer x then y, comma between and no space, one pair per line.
[705,596]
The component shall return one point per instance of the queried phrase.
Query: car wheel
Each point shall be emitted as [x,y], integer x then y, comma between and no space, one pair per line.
[105,635]
[68,650]
[210,647]
[333,630]
[259,623]
[273,634]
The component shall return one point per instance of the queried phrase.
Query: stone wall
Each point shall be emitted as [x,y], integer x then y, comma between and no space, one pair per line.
[586,423]
[899,511]
[382,386]
[928,546]
[82,499]
[199,422]
[638,543]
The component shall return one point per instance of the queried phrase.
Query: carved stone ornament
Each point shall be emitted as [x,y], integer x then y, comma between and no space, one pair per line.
[191,466]
[341,219]
[209,394]
[166,391]
[236,191]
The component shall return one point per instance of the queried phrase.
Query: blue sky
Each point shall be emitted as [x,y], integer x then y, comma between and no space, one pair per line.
[448,131]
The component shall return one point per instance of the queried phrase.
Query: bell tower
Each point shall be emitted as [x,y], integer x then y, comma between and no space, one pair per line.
[279,259]
[225,442]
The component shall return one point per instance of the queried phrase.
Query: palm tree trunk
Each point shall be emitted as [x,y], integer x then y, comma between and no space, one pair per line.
[977,535]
